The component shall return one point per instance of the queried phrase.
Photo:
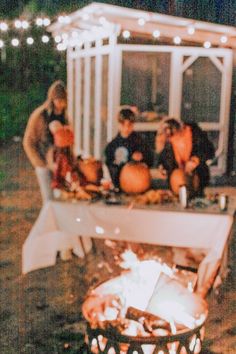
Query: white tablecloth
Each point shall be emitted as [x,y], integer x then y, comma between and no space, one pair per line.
[60,223]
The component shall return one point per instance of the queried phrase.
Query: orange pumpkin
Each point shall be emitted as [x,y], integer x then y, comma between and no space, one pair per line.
[91,170]
[178,178]
[135,178]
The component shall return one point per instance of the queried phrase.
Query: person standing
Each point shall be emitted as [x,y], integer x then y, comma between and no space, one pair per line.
[38,140]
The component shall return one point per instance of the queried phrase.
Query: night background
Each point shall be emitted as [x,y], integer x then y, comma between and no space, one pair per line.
[40,312]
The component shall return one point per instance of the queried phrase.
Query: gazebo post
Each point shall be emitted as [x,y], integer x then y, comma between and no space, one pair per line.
[78,110]
[97,100]
[86,102]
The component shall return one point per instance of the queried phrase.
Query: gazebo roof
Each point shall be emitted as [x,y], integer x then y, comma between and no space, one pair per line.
[99,20]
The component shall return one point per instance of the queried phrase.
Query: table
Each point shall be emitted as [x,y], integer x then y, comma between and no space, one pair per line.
[60,223]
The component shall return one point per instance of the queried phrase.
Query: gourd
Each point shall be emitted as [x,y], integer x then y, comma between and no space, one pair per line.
[91,169]
[179,178]
[135,178]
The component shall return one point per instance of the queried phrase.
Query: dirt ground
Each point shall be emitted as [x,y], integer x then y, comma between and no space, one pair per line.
[40,313]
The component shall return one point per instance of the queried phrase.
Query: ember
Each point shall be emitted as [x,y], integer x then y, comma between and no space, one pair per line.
[145,310]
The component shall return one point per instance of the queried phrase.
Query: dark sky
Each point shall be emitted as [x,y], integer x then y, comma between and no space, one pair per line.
[222,11]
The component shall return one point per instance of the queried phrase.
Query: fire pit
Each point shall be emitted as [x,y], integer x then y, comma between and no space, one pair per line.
[144,311]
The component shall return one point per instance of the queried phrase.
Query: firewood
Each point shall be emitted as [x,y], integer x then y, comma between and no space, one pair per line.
[149,321]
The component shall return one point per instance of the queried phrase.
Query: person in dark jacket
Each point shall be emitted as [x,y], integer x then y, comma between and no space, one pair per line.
[185,146]
[126,146]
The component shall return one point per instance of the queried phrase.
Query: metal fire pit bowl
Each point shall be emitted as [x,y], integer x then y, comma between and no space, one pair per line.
[111,341]
[117,343]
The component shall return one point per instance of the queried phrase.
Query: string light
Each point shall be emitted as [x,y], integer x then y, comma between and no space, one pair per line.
[46,22]
[57,39]
[85,16]
[17,24]
[224,39]
[15,42]
[61,19]
[45,39]
[39,21]
[64,36]
[207,44]
[64,39]
[67,19]
[61,46]
[156,34]
[141,21]
[64,19]
[126,34]
[3,26]
[30,40]
[177,40]
[102,20]
[191,30]
[74,34]
[25,24]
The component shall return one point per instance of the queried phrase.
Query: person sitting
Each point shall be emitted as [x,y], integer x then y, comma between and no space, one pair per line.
[184,149]
[126,146]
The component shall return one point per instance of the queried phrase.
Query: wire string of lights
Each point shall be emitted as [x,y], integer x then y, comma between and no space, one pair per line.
[20,31]
[62,41]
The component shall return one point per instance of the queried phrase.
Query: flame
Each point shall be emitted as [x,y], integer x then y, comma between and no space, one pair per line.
[173,327]
[190,287]
[137,288]
[130,260]
[174,311]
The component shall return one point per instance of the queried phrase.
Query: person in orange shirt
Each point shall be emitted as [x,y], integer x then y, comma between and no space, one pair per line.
[185,147]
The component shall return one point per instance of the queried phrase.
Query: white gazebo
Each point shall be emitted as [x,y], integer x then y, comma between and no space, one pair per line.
[115,56]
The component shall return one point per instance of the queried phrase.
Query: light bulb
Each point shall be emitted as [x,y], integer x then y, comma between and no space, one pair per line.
[57,39]
[46,22]
[61,19]
[177,40]
[25,24]
[207,44]
[15,42]
[61,46]
[3,26]
[126,34]
[85,16]
[30,40]
[39,21]
[156,34]
[45,39]
[64,36]
[224,39]
[141,21]
[74,34]
[18,24]
[191,30]
[67,19]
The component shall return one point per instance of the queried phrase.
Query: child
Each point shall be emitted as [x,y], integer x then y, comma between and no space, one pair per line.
[126,146]
[64,172]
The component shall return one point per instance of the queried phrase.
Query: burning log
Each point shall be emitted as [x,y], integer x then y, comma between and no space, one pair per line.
[149,321]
